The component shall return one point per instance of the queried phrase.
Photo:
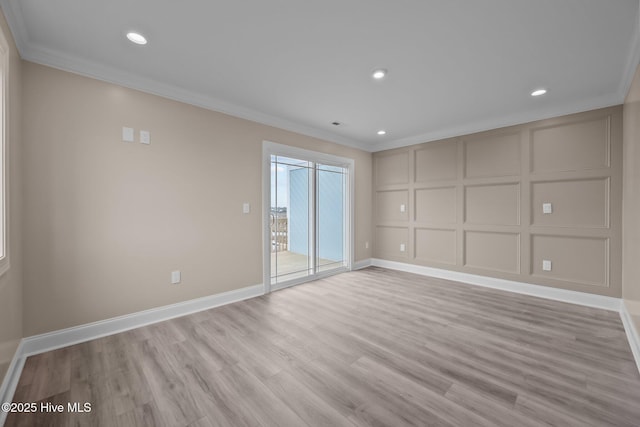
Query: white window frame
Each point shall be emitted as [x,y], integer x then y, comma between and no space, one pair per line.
[4,173]
[271,148]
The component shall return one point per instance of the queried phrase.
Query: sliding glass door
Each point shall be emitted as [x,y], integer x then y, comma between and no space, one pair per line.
[308,219]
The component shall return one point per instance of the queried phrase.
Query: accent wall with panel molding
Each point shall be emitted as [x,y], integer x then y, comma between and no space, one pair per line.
[475,203]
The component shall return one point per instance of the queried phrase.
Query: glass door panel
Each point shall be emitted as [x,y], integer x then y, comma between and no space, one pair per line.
[331,217]
[291,204]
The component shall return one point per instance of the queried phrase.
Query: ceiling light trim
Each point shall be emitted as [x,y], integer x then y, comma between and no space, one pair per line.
[379,74]
[137,38]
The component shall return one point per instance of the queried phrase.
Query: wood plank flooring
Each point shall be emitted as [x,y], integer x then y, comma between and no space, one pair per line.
[368,348]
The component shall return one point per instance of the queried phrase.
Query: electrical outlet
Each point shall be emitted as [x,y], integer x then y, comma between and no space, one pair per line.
[546,265]
[175,277]
[145,137]
[402,247]
[366,245]
[403,208]
[547,208]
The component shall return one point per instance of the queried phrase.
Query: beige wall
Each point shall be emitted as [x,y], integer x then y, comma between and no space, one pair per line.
[631,202]
[474,203]
[11,282]
[107,221]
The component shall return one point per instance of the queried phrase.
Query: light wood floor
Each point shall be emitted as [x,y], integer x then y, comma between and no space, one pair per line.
[373,347]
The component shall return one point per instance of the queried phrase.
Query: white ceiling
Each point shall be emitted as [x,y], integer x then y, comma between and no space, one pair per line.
[455,66]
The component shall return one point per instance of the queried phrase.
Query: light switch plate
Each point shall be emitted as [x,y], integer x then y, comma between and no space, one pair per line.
[246,208]
[546,265]
[127,134]
[403,208]
[547,208]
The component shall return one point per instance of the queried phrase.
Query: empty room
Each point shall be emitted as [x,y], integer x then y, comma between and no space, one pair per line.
[321,213]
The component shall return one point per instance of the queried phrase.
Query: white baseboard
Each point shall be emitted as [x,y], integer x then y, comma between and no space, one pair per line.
[564,295]
[11,378]
[632,333]
[65,337]
[62,338]
[359,265]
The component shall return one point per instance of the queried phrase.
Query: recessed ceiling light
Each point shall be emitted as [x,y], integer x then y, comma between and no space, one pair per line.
[136,38]
[382,132]
[379,73]
[538,92]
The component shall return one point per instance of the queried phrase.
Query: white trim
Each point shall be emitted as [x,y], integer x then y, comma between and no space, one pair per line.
[271,148]
[306,279]
[74,335]
[77,334]
[359,265]
[13,13]
[11,378]
[62,61]
[111,75]
[564,295]
[122,78]
[56,59]
[64,337]
[266,219]
[5,263]
[632,333]
[604,101]
[633,57]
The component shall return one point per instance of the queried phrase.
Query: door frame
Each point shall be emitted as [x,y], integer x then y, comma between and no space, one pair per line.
[271,148]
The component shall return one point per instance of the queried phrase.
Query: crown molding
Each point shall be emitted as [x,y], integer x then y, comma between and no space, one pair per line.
[113,75]
[61,61]
[633,58]
[13,13]
[500,122]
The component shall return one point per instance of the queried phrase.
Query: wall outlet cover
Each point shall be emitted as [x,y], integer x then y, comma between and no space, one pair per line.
[175,277]
[145,137]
